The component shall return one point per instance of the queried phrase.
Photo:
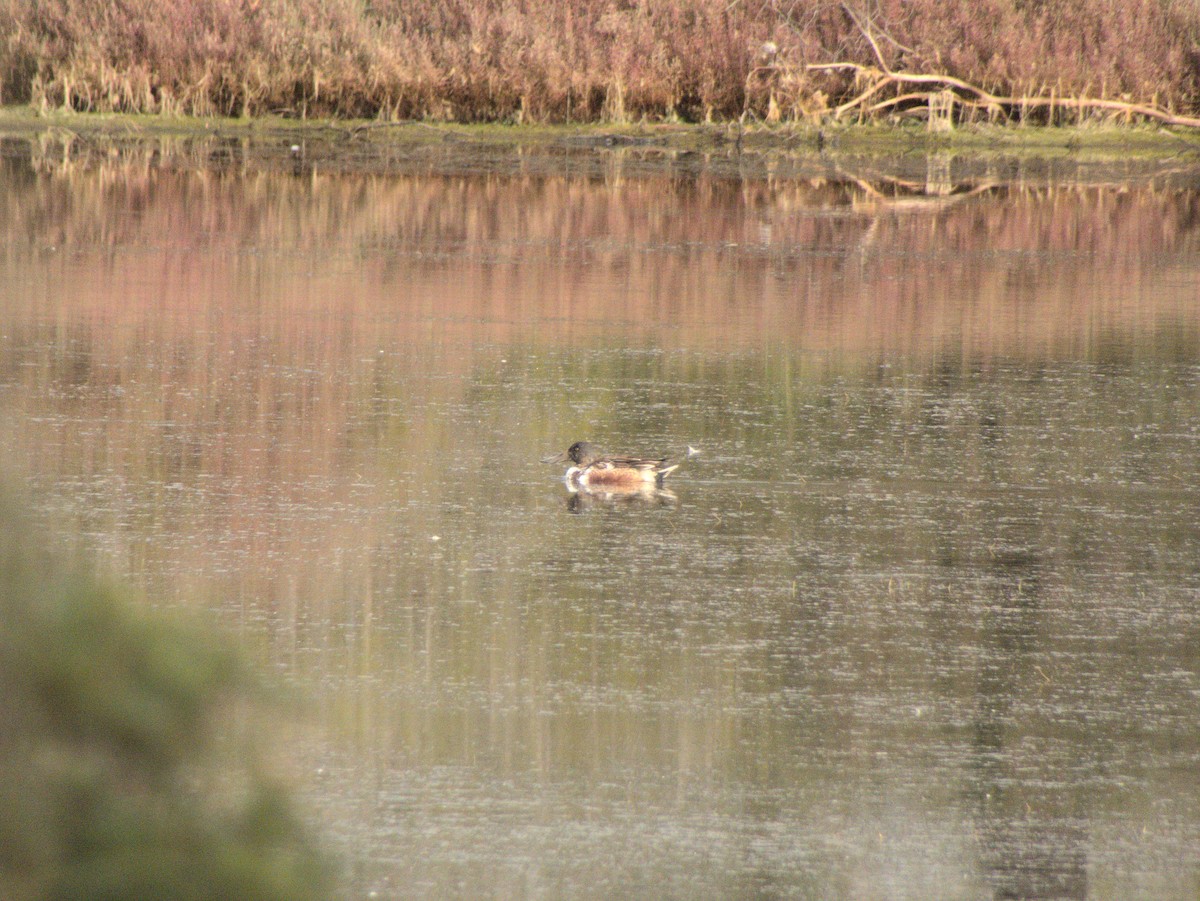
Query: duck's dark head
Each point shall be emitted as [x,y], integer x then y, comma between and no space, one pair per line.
[581,453]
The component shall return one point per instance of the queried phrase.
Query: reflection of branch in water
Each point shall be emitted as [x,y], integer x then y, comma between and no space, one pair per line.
[936,194]
[881,205]
[867,241]
[917,203]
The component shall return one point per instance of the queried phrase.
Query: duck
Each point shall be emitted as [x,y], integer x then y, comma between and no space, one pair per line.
[592,470]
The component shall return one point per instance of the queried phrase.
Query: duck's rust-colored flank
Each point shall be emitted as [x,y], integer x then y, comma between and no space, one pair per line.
[590,469]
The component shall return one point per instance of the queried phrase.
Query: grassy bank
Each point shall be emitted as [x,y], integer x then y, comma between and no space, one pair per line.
[1082,154]
[598,60]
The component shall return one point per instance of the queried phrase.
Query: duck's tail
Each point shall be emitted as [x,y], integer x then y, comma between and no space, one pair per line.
[672,462]
[664,469]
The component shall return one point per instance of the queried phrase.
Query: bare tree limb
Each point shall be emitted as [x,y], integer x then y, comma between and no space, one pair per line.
[875,88]
[978,98]
[866,33]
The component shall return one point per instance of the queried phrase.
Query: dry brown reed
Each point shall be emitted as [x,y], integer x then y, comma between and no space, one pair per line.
[582,60]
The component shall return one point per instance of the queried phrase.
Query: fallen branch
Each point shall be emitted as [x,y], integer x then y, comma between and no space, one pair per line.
[976,97]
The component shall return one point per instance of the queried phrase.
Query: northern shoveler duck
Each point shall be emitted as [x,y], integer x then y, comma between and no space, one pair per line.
[591,470]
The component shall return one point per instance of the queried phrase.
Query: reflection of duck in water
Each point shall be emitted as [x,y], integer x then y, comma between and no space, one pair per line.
[580,500]
[597,474]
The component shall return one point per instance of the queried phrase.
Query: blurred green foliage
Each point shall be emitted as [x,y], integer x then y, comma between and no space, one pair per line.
[128,764]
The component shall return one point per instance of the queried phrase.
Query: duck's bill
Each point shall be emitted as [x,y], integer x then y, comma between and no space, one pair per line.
[560,457]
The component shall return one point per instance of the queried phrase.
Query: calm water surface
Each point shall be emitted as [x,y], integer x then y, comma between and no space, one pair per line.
[921,620]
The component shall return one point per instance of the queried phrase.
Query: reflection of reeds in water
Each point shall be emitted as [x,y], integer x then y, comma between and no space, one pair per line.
[276,343]
[815,264]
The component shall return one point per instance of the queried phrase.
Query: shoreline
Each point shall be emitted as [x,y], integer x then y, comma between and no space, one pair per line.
[895,150]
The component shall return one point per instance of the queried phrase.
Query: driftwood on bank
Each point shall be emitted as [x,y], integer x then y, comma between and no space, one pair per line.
[962,93]
[939,94]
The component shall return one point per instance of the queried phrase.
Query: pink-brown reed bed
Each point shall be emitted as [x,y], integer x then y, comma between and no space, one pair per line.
[577,60]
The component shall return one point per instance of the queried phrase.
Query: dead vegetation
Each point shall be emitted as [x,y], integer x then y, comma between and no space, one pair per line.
[1048,62]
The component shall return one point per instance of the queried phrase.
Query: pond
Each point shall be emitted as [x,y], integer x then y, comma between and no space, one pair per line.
[920,618]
